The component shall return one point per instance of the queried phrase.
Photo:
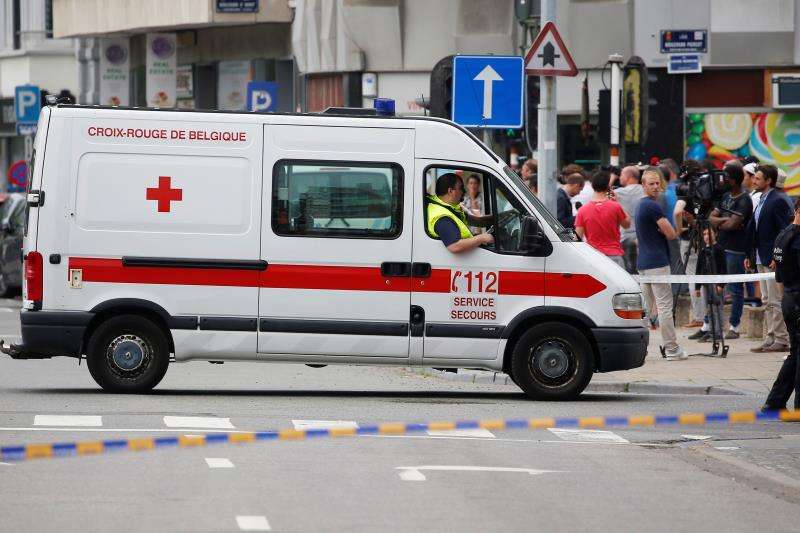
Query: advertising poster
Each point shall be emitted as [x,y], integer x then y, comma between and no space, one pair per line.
[185,81]
[232,85]
[161,69]
[115,71]
[772,137]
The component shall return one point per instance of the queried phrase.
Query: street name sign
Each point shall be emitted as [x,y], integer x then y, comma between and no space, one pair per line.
[684,64]
[548,55]
[684,41]
[237,6]
[487,91]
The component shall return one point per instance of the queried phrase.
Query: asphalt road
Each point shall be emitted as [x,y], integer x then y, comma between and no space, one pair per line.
[710,478]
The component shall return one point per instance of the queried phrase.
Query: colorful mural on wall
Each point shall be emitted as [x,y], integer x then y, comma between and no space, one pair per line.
[771,137]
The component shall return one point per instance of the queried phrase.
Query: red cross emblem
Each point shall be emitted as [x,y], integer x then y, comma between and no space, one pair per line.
[164,194]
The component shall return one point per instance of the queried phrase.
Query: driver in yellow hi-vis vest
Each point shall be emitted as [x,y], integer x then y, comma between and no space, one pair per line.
[448,221]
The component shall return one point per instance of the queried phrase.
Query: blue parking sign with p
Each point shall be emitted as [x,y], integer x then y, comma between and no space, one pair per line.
[262,96]
[487,91]
[27,103]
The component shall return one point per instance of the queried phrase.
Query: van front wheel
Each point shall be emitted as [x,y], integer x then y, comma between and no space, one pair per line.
[128,353]
[552,361]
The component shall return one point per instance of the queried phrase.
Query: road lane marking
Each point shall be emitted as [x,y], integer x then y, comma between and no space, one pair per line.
[324,424]
[5,464]
[119,430]
[253,523]
[414,473]
[68,420]
[198,422]
[727,447]
[497,439]
[218,462]
[475,433]
[696,437]
[588,435]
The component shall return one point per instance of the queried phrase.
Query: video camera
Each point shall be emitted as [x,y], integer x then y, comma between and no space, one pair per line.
[701,189]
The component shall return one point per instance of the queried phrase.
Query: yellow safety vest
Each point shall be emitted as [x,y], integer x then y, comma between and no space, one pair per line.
[438,209]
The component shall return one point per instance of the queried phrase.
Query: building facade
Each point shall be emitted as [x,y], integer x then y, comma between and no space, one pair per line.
[350,51]
[188,53]
[29,55]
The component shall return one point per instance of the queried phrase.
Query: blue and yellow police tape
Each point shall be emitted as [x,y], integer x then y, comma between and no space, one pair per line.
[67,449]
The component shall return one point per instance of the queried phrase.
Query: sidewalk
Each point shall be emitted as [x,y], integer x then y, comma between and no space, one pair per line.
[742,372]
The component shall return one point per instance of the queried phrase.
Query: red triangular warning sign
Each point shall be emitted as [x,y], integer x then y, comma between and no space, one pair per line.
[548,56]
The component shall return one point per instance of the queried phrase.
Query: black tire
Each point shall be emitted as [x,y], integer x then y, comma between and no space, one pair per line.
[141,350]
[552,361]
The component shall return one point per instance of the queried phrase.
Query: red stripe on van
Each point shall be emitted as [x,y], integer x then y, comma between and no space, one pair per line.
[326,277]
[331,278]
[113,271]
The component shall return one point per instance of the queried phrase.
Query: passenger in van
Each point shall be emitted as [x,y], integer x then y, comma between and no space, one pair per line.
[448,221]
[473,200]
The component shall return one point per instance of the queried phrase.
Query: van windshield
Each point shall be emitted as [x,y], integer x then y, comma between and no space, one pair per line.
[566,235]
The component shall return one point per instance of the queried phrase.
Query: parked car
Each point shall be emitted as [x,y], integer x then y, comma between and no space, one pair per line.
[12,229]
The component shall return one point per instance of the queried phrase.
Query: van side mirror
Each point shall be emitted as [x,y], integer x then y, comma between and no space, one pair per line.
[534,240]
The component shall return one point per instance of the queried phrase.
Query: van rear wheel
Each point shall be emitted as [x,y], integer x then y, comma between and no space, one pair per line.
[552,361]
[128,353]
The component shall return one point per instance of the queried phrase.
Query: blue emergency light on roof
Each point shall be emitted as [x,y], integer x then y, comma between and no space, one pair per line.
[384,106]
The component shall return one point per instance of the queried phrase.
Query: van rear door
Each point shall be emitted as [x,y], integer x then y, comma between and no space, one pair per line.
[337,239]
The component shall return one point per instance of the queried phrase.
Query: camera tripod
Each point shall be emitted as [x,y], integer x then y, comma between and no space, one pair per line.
[705,254]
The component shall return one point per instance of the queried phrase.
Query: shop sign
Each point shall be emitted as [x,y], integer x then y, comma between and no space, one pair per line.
[161,79]
[115,71]
[232,85]
[237,6]
[185,81]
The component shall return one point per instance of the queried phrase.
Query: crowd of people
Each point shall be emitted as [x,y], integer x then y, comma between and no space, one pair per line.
[635,216]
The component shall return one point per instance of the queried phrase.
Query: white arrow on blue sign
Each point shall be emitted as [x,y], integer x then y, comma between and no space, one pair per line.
[487,91]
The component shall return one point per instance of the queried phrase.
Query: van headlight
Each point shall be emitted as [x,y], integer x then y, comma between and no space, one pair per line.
[628,305]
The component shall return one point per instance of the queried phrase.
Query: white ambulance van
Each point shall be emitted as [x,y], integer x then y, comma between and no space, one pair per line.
[161,236]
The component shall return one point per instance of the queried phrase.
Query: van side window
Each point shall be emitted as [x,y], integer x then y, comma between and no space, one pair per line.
[337,199]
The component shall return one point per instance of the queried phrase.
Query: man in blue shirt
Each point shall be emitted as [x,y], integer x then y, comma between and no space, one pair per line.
[653,231]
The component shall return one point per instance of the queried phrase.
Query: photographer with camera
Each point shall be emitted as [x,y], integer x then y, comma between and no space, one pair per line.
[730,219]
[771,216]
[786,262]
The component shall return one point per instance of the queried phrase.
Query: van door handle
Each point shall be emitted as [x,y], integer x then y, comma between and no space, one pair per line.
[421,270]
[395,269]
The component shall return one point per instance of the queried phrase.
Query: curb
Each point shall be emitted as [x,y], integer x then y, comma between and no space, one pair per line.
[634,387]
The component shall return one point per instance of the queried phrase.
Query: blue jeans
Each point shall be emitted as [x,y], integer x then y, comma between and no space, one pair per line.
[734,263]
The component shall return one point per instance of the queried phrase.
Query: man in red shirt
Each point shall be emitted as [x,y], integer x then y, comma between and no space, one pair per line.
[598,221]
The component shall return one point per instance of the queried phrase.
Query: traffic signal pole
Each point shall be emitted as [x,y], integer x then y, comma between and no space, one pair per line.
[616,99]
[547,124]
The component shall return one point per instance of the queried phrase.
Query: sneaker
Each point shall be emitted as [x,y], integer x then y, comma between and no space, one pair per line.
[707,337]
[676,354]
[730,334]
[699,334]
[777,347]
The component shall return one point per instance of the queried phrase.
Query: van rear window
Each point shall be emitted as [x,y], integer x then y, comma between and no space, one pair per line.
[337,199]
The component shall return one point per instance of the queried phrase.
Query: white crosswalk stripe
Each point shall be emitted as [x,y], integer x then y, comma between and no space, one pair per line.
[253,523]
[587,435]
[219,462]
[198,422]
[476,432]
[323,424]
[68,420]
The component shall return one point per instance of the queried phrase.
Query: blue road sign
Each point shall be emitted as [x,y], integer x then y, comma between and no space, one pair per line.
[27,103]
[684,64]
[262,96]
[487,91]
[683,41]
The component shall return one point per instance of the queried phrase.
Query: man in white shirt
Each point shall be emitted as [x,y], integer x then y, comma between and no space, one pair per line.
[629,196]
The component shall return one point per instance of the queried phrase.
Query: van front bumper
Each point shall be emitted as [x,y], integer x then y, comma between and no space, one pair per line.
[48,334]
[620,348]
